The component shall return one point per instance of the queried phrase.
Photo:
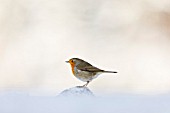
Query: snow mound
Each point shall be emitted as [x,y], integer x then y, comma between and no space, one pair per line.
[77,91]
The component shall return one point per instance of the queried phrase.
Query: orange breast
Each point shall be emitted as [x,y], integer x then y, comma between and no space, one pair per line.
[72,67]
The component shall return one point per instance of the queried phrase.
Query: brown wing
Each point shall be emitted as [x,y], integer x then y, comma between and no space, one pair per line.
[90,69]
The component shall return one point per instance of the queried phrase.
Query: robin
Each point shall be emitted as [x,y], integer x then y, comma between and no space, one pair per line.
[84,71]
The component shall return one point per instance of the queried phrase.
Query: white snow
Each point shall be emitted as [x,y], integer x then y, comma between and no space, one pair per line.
[20,102]
[77,91]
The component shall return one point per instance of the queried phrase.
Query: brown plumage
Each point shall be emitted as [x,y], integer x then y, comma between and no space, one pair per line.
[85,71]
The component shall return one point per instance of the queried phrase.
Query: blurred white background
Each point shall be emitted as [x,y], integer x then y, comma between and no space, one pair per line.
[131,37]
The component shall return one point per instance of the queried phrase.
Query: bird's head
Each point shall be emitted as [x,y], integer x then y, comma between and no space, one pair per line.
[75,61]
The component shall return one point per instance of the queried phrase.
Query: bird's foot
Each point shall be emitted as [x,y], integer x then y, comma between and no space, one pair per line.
[85,85]
[80,86]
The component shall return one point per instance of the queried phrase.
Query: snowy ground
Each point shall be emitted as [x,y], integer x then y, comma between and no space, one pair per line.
[19,102]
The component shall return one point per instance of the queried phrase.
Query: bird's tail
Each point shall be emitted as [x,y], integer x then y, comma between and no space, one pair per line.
[110,72]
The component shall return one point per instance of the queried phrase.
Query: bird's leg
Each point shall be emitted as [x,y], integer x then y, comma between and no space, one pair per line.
[86,84]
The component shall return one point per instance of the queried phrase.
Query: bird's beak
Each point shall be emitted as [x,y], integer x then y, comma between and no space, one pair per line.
[67,61]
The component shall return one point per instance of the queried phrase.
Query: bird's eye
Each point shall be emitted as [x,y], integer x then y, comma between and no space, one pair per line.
[71,61]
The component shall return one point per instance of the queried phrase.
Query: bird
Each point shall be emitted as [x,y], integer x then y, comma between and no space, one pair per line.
[84,71]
